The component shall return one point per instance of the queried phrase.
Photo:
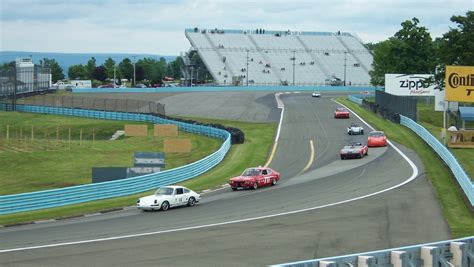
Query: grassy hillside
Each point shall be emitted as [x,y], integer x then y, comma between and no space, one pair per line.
[51,160]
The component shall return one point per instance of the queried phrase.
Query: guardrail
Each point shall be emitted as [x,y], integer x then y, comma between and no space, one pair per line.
[355,99]
[457,252]
[461,176]
[90,192]
[252,88]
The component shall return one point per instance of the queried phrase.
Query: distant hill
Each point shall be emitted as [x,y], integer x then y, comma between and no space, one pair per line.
[67,59]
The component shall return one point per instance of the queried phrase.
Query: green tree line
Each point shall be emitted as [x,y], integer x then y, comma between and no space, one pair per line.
[147,70]
[412,50]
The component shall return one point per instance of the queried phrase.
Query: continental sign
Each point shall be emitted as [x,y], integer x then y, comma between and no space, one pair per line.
[459,83]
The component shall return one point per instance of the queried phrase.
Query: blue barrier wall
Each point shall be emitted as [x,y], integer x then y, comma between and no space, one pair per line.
[461,176]
[441,254]
[90,192]
[448,158]
[224,89]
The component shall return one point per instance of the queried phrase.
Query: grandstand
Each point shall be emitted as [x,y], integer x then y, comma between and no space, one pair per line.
[259,57]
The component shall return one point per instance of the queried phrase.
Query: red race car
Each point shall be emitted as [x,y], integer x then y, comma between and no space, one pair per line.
[354,150]
[255,178]
[341,113]
[377,138]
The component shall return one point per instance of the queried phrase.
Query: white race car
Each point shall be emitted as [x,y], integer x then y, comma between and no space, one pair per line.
[355,129]
[169,197]
[316,94]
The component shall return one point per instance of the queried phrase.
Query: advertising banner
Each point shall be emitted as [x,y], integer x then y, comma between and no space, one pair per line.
[409,85]
[459,83]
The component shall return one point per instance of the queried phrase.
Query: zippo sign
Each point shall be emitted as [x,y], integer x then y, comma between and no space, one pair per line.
[408,85]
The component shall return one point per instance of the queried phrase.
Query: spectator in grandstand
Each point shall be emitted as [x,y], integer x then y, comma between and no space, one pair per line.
[196,29]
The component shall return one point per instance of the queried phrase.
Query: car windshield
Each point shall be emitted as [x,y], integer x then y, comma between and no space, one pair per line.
[251,172]
[355,144]
[164,191]
[376,134]
[354,125]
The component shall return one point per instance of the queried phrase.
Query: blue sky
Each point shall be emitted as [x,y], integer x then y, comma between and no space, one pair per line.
[157,26]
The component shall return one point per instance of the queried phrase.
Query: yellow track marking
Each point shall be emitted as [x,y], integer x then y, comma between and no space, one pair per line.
[272,154]
[311,157]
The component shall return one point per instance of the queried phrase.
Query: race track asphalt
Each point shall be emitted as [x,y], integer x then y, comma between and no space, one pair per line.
[406,215]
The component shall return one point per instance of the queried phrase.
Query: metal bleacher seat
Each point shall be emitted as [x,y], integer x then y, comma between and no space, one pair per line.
[271,58]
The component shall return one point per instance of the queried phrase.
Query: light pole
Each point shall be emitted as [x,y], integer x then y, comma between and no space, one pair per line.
[115,81]
[247,69]
[197,75]
[294,59]
[345,65]
[134,71]
[191,81]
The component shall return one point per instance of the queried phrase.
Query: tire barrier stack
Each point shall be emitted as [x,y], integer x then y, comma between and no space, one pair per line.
[237,136]
[458,252]
[91,192]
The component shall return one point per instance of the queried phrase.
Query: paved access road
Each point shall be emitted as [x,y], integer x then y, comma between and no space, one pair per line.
[406,215]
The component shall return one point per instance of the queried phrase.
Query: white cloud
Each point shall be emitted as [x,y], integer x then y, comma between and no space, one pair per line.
[157,27]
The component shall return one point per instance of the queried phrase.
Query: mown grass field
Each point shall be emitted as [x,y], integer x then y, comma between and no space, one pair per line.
[239,157]
[50,160]
[456,210]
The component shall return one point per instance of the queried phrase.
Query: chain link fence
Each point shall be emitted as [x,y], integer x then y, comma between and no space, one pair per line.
[120,105]
[389,106]
[22,78]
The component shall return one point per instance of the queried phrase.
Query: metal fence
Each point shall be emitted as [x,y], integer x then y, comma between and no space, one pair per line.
[118,105]
[90,192]
[23,79]
[456,253]
[387,105]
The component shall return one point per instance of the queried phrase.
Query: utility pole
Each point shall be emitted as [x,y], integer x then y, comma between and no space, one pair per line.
[294,59]
[134,72]
[15,84]
[345,65]
[247,69]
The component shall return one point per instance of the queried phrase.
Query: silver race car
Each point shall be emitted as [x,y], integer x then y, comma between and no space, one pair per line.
[354,129]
